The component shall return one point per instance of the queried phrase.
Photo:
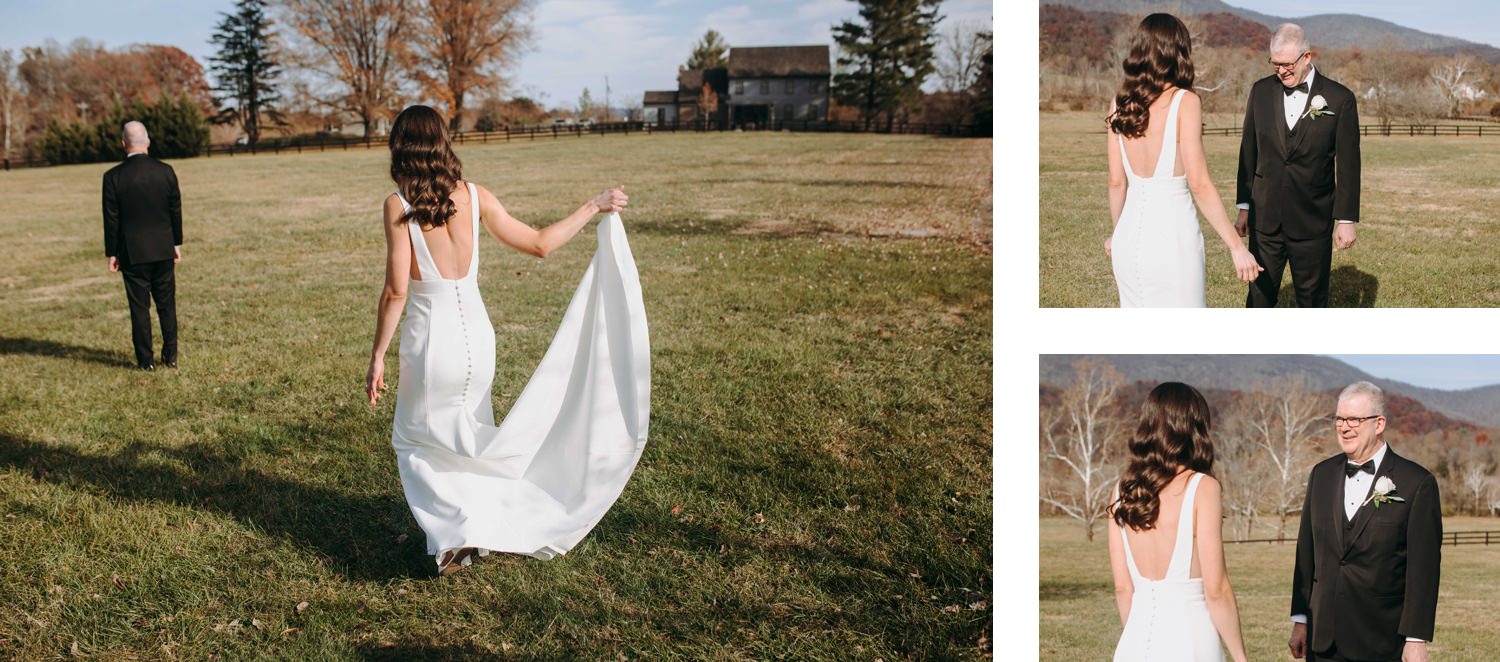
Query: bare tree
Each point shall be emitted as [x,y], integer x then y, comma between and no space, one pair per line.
[1282,418]
[1079,435]
[460,46]
[1454,79]
[1240,467]
[10,98]
[358,43]
[1476,479]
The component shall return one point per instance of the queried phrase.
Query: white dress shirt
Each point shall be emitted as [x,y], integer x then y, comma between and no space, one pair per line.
[1356,489]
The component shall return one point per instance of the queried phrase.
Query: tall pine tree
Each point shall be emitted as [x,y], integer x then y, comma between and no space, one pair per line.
[885,59]
[711,52]
[245,68]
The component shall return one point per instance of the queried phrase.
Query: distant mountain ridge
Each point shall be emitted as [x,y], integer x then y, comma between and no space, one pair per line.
[1324,30]
[1479,405]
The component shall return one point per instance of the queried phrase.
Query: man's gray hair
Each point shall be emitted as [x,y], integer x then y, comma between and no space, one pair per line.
[1289,34]
[1377,396]
[134,134]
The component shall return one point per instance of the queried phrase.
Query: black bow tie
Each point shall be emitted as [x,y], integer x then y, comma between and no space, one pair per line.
[1351,468]
[1301,87]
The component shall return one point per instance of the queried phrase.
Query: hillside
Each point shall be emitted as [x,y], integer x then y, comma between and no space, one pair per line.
[1325,30]
[1231,372]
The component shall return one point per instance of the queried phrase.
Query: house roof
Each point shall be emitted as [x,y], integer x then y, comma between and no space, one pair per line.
[767,61]
[660,97]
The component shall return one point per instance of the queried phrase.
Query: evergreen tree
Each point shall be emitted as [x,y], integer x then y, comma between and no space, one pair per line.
[245,68]
[709,53]
[885,59]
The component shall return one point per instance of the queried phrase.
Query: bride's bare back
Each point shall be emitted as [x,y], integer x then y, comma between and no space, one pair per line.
[1145,151]
[452,244]
[1152,549]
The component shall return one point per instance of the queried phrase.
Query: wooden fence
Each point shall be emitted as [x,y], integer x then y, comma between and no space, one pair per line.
[303,145]
[1449,538]
[1410,130]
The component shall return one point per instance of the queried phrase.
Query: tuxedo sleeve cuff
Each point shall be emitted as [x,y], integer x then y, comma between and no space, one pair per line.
[1343,222]
[1414,639]
[1299,618]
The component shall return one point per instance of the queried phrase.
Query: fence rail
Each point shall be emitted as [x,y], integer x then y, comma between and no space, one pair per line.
[531,133]
[1449,538]
[1410,130]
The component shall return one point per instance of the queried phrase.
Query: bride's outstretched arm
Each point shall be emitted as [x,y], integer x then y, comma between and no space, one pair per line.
[1118,183]
[1124,586]
[392,296]
[524,238]
[1195,166]
[1222,608]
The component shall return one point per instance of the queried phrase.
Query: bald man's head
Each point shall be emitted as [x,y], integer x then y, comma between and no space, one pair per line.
[134,137]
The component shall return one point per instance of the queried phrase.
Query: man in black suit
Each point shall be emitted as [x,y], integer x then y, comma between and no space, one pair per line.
[1298,185]
[1368,549]
[143,240]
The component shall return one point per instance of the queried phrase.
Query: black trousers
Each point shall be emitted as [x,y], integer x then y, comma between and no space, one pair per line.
[144,283]
[1310,259]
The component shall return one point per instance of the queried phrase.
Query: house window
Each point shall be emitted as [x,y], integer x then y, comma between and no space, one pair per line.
[739,87]
[814,86]
[786,112]
[765,86]
[791,86]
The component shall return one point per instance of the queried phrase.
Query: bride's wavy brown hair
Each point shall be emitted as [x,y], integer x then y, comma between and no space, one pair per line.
[424,166]
[1160,55]
[1172,437]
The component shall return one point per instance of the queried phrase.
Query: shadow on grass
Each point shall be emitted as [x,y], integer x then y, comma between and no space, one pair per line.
[40,347]
[353,535]
[374,652]
[837,183]
[1348,287]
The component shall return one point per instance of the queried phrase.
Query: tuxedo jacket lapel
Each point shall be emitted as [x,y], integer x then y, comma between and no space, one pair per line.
[1333,494]
[1272,107]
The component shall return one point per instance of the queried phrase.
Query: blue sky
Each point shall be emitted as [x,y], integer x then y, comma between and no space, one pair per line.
[636,43]
[1444,371]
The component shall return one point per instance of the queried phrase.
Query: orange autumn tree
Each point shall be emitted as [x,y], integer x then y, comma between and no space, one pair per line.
[360,44]
[460,46]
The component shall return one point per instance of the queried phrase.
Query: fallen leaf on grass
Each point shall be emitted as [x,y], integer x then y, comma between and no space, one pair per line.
[504,646]
[386,644]
[759,519]
[952,609]
[853,508]
[75,650]
[288,631]
[401,538]
[118,584]
[255,623]
[977,606]
[676,509]
[301,606]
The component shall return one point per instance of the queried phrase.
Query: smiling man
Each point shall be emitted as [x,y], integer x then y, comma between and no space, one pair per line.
[1298,184]
[1366,580]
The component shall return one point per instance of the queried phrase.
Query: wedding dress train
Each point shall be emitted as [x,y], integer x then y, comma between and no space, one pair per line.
[1169,619]
[538,482]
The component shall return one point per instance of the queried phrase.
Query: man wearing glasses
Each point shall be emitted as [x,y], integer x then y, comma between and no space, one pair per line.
[1298,184]
[1366,580]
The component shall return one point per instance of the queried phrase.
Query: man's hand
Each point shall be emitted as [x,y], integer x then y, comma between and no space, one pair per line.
[114,264]
[1298,642]
[1109,248]
[1343,236]
[1415,651]
[1242,223]
[176,254]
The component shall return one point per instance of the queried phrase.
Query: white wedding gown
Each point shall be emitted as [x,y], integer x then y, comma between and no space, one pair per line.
[1168,619]
[1157,246]
[537,483]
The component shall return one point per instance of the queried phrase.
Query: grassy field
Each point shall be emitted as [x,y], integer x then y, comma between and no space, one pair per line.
[1079,620]
[816,484]
[1429,218]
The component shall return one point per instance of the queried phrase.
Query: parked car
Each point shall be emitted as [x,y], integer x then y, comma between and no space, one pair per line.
[562,121]
[587,121]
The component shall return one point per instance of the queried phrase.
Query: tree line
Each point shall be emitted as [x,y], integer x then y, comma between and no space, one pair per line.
[1266,438]
[301,66]
[1082,51]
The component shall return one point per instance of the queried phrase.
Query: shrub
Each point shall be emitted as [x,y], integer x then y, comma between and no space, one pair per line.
[176,126]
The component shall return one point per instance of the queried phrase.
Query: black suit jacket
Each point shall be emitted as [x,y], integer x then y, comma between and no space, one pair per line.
[142,211]
[1299,181]
[1372,584]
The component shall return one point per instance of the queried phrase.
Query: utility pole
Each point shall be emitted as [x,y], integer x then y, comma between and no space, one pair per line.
[608,115]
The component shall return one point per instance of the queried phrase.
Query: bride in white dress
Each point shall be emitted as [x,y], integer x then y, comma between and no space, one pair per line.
[1165,545]
[1157,248]
[540,480]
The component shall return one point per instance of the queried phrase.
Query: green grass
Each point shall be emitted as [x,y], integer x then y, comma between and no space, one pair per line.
[1429,219]
[816,483]
[1079,620]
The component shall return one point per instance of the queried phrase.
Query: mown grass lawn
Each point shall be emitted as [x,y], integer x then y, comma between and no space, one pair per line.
[1429,219]
[816,483]
[1079,620]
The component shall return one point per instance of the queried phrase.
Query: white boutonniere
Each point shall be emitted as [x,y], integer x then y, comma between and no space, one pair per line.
[1318,107]
[1385,492]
